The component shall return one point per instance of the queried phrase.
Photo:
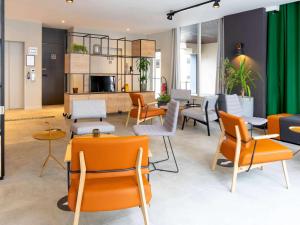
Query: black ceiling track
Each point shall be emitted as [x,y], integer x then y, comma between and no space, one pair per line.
[173,12]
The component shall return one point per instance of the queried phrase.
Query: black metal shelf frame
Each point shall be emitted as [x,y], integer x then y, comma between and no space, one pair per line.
[121,57]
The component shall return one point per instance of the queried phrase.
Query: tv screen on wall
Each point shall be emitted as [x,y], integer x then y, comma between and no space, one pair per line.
[102,83]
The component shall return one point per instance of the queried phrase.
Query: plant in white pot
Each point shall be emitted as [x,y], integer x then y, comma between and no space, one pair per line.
[241,77]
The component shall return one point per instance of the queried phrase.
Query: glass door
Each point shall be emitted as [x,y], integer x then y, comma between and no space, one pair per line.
[2,89]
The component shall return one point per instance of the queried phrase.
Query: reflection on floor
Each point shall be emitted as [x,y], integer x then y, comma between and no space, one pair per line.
[194,196]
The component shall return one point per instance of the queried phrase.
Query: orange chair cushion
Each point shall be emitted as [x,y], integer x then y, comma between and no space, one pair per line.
[106,194]
[230,122]
[266,151]
[151,112]
[108,153]
[135,97]
[274,125]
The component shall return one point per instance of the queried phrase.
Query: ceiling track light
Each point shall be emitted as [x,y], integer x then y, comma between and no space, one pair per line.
[172,13]
[69,1]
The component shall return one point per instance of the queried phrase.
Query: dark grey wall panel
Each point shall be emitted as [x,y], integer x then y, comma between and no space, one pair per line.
[250,28]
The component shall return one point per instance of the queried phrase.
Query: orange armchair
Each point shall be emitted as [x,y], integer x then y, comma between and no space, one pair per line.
[142,111]
[109,174]
[248,152]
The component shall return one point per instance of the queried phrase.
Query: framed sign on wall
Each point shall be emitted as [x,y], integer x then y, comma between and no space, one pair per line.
[30,60]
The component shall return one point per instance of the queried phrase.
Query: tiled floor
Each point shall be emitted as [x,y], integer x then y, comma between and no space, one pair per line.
[194,196]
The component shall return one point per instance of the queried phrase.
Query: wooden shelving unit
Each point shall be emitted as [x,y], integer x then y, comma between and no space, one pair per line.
[106,57]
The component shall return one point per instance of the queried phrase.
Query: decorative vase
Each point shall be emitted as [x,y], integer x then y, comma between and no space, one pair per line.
[143,86]
[159,104]
[247,104]
[75,90]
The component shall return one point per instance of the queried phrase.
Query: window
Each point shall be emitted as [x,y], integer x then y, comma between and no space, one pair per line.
[189,58]
[209,55]
[200,79]
[156,75]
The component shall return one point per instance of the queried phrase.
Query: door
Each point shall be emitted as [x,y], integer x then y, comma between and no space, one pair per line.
[54,44]
[14,75]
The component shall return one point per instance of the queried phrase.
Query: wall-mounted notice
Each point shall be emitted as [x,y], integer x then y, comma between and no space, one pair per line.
[32,51]
[30,60]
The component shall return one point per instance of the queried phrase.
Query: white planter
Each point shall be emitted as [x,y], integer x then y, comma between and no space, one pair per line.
[247,104]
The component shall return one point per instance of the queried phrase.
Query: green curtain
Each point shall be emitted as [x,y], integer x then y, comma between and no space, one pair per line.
[283,60]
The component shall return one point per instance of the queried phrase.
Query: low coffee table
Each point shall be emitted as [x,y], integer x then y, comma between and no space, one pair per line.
[49,135]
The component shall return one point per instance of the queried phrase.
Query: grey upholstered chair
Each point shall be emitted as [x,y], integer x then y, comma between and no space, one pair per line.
[204,114]
[234,107]
[181,95]
[166,130]
[89,109]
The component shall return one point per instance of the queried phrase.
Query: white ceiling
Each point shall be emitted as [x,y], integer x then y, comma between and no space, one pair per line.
[141,16]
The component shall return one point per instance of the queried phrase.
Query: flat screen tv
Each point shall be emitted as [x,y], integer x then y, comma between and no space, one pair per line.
[102,83]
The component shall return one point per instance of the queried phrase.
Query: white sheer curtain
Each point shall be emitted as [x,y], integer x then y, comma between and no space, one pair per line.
[175,60]
[220,89]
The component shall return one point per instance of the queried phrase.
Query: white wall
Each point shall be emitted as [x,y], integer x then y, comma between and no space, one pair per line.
[163,43]
[208,68]
[30,33]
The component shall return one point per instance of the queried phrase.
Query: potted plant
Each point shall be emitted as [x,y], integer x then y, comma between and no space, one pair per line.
[241,77]
[143,66]
[163,99]
[79,49]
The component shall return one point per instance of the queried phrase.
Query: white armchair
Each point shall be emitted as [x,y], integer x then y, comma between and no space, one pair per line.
[234,107]
[89,109]
[204,114]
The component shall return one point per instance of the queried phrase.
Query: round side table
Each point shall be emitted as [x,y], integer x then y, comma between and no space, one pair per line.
[49,135]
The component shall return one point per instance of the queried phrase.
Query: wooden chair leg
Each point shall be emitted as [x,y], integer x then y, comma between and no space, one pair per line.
[215,160]
[234,179]
[286,176]
[236,159]
[141,187]
[128,117]
[80,188]
[145,214]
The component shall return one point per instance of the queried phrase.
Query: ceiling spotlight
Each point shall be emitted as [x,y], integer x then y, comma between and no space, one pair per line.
[216,4]
[63,21]
[69,1]
[170,15]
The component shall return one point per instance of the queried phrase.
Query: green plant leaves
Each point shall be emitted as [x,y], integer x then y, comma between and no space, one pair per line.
[76,48]
[242,77]
[143,65]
